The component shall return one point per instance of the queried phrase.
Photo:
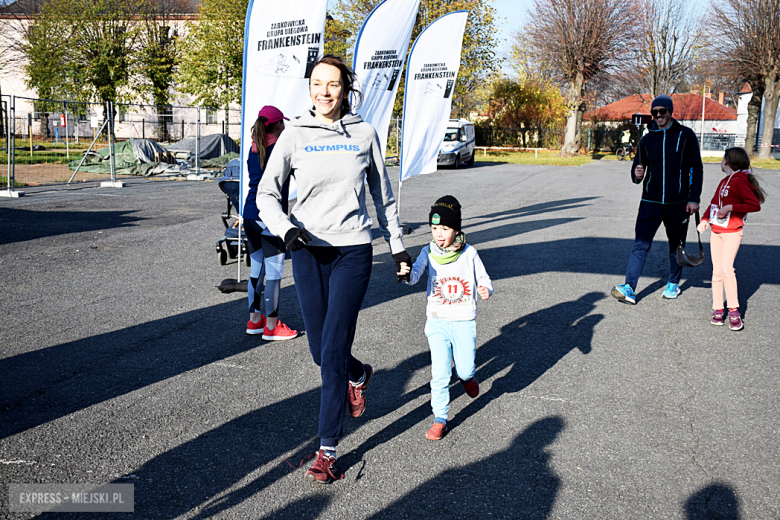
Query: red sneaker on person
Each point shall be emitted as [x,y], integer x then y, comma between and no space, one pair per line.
[437,431]
[356,394]
[279,333]
[255,328]
[323,471]
[471,386]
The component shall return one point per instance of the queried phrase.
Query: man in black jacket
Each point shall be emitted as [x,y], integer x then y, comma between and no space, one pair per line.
[669,166]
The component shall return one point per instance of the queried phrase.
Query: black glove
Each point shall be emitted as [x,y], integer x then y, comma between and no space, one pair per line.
[403,256]
[296,238]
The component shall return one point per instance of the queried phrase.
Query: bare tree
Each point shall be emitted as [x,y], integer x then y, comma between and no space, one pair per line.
[670,36]
[580,39]
[746,34]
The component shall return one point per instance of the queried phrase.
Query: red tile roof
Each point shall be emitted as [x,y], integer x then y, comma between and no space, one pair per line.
[687,107]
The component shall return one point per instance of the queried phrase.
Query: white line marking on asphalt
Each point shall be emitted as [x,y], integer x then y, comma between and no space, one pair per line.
[232,366]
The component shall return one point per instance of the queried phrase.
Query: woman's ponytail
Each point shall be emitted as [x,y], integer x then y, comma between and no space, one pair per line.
[258,136]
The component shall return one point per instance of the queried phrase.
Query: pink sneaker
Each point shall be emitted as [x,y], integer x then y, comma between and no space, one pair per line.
[735,320]
[280,332]
[255,328]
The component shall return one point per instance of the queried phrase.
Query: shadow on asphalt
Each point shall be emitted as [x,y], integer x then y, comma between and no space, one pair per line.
[20,225]
[190,475]
[718,501]
[516,482]
[46,384]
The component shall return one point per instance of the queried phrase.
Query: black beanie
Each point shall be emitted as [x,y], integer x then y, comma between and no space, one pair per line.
[446,212]
[663,101]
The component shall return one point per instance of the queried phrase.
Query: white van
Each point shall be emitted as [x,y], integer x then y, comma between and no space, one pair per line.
[458,145]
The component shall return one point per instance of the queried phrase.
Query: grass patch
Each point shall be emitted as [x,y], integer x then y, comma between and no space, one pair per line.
[4,182]
[546,157]
[767,164]
[39,157]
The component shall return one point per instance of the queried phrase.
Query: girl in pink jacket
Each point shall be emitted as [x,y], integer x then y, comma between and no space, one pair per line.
[738,194]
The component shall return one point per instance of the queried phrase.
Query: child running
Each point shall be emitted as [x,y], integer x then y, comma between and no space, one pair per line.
[454,271]
[738,193]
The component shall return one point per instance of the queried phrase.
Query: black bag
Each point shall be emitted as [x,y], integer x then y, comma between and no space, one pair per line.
[683,258]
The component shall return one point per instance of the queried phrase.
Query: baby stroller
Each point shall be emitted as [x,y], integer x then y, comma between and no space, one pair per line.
[227,246]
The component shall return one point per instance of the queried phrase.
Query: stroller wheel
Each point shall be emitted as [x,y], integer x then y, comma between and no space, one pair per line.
[223,256]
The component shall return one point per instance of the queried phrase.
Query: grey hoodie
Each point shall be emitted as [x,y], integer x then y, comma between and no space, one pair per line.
[330,163]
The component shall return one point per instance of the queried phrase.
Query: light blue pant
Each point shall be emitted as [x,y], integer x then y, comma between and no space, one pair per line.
[456,340]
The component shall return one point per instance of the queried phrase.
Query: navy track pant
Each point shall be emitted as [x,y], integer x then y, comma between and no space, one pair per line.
[331,283]
[650,217]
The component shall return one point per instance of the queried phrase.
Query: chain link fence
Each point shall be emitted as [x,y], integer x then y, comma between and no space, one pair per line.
[62,142]
[489,135]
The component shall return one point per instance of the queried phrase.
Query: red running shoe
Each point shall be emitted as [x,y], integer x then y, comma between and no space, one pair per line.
[356,394]
[437,431]
[471,386]
[280,332]
[323,471]
[255,328]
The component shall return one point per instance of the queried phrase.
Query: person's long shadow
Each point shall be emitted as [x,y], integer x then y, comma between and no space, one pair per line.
[534,209]
[49,383]
[716,501]
[515,483]
[295,427]
[193,473]
[530,345]
[23,224]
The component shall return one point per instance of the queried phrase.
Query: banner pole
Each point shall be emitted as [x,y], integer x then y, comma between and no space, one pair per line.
[240,228]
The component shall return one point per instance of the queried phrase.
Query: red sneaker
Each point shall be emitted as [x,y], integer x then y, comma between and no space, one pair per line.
[437,431]
[280,332]
[356,394]
[255,328]
[323,471]
[471,386]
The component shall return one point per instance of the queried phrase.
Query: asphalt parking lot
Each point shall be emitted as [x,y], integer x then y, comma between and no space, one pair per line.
[121,362]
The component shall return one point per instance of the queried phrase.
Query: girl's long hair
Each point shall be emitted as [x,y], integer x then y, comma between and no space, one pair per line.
[259,131]
[738,159]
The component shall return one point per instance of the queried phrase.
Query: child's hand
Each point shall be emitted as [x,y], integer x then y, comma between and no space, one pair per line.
[404,269]
[483,291]
[724,210]
[703,225]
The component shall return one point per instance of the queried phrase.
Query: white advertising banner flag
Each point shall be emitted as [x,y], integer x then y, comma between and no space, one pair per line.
[380,52]
[282,41]
[430,81]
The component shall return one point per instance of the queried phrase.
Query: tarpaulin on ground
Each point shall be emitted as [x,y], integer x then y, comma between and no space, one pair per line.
[211,146]
[218,162]
[132,157]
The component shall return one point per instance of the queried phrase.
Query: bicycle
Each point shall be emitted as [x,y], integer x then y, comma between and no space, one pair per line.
[627,150]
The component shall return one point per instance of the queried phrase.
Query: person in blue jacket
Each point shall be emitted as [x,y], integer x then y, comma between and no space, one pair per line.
[265,250]
[668,164]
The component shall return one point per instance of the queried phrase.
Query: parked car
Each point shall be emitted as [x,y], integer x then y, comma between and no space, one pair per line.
[458,145]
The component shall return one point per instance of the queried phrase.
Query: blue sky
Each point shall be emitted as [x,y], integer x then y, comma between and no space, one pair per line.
[511,15]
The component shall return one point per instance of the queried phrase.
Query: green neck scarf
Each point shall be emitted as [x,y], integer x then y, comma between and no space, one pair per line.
[451,253]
